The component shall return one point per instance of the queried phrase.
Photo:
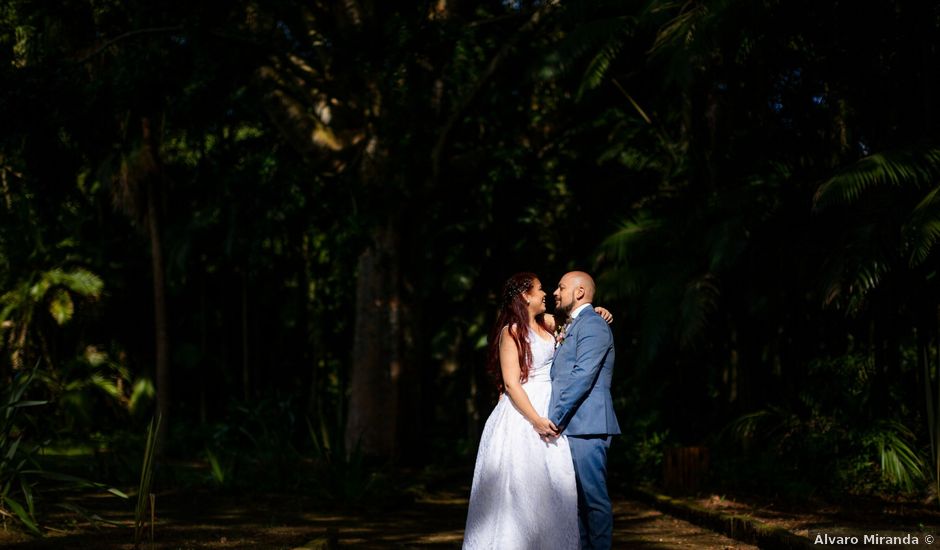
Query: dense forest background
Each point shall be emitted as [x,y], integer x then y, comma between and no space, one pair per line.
[282,227]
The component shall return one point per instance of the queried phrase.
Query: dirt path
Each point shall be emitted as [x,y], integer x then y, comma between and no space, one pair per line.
[202,520]
[638,526]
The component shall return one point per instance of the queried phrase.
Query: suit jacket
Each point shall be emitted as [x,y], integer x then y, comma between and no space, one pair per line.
[581,373]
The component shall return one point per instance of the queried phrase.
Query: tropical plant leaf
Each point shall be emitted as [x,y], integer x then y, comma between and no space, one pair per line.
[12,452]
[78,481]
[923,228]
[587,39]
[681,31]
[61,306]
[22,514]
[142,391]
[83,282]
[917,167]
[597,69]
[146,479]
[900,463]
[27,492]
[80,281]
[21,404]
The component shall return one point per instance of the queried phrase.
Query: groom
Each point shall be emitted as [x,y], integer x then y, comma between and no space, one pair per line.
[581,404]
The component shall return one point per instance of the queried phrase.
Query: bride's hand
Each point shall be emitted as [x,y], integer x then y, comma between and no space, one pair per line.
[605,315]
[545,427]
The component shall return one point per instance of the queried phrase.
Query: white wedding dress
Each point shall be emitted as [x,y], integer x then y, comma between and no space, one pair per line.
[524,494]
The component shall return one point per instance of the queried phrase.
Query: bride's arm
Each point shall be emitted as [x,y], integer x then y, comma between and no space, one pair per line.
[511,371]
[550,322]
[605,314]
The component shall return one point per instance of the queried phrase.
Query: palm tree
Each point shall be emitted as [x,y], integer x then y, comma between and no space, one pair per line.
[138,192]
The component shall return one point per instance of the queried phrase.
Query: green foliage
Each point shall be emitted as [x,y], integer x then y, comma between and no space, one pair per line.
[829,446]
[91,383]
[53,289]
[341,476]
[742,169]
[932,395]
[144,495]
[915,167]
[219,472]
[901,465]
[20,470]
[16,461]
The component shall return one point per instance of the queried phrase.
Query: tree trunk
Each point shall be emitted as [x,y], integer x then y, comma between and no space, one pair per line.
[314,350]
[159,316]
[376,359]
[204,376]
[246,364]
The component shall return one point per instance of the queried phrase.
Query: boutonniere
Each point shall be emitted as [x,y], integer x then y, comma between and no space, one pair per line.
[560,335]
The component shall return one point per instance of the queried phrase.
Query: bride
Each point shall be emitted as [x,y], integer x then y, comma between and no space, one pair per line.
[524,494]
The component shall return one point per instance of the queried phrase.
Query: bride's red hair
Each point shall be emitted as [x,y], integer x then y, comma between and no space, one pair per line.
[513,313]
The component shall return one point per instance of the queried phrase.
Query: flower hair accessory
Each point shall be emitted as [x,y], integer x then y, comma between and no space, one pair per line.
[513,289]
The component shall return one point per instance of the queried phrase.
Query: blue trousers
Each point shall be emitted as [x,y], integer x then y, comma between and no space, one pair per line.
[595,516]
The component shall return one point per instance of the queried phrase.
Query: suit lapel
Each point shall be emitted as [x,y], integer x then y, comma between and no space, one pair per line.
[582,315]
[570,330]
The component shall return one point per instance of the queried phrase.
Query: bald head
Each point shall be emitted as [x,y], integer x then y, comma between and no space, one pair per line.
[574,289]
[585,282]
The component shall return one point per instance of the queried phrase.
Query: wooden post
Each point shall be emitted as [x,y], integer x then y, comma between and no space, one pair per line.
[684,469]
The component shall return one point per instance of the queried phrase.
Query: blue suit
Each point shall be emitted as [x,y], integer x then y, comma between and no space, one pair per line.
[582,408]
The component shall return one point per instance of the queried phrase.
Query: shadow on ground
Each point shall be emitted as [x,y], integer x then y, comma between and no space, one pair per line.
[201,519]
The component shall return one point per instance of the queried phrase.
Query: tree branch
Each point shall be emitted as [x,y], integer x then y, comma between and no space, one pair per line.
[129,34]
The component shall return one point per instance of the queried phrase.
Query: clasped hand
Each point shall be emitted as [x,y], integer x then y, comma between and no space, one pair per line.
[546,429]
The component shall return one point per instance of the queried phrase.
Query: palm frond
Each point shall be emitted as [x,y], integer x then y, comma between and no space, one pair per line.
[597,69]
[80,281]
[620,283]
[923,228]
[855,287]
[916,167]
[682,30]
[586,39]
[851,274]
[900,463]
[659,318]
[749,428]
[699,302]
[725,242]
[632,239]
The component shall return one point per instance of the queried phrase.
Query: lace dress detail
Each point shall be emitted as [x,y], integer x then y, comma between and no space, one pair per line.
[524,494]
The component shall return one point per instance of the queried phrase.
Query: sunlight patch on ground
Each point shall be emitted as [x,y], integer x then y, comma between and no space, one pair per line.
[437,538]
[324,519]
